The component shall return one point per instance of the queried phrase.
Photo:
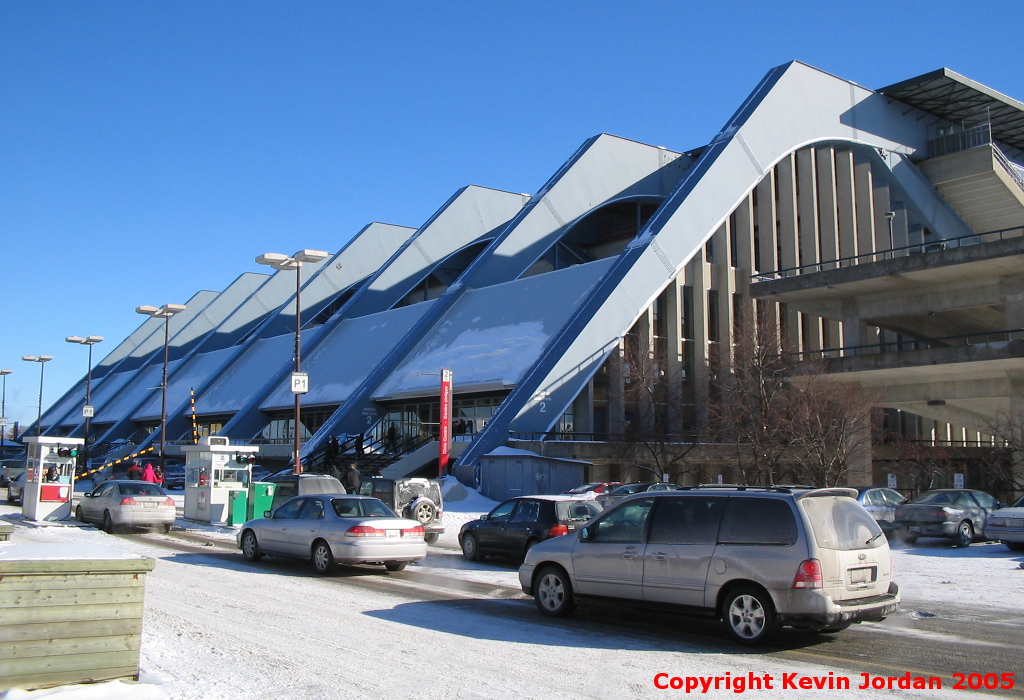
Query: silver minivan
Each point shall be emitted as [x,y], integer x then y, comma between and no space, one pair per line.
[756,558]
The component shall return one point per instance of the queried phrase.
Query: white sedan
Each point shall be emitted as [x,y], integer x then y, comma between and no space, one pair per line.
[117,504]
[332,529]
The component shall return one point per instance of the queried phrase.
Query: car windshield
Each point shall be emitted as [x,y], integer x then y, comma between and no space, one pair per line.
[360,508]
[586,488]
[938,498]
[841,523]
[142,488]
[627,489]
[1019,503]
[578,511]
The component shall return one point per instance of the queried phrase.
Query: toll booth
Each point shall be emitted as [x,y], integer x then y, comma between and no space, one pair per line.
[217,476]
[50,477]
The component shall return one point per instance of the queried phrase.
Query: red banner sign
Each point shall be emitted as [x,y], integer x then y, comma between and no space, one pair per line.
[445,439]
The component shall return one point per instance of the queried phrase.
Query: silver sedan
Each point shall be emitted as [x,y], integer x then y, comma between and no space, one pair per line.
[117,504]
[330,529]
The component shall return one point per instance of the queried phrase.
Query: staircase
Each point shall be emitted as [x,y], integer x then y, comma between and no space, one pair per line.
[371,461]
[982,185]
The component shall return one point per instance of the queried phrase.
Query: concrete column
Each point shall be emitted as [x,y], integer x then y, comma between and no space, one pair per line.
[699,274]
[766,215]
[864,194]
[807,205]
[827,214]
[674,344]
[791,322]
[854,330]
[724,283]
[1011,290]
[810,332]
[880,195]
[846,204]
[785,175]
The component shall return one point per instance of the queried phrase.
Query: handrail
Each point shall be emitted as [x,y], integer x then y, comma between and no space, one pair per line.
[558,435]
[1011,169]
[912,344]
[917,248]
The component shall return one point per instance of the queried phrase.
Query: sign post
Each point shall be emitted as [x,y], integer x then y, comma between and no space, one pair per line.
[445,438]
[958,481]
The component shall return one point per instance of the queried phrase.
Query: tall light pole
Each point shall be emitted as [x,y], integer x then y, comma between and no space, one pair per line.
[87,409]
[3,406]
[300,382]
[165,312]
[42,360]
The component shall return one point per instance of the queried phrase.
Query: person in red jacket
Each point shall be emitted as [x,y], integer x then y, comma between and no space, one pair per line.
[148,474]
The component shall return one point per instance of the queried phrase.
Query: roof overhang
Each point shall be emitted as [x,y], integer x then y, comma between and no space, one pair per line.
[949,95]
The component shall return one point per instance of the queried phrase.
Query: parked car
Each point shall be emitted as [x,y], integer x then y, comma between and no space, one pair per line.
[119,504]
[1007,526]
[260,473]
[610,498]
[806,558]
[519,523]
[413,498]
[881,503]
[16,490]
[289,484]
[329,529]
[594,489]
[956,514]
[10,469]
[174,477]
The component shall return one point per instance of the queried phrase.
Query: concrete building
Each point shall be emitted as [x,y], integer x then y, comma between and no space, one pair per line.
[881,228]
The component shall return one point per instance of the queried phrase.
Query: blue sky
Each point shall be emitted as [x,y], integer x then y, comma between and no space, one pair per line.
[152,149]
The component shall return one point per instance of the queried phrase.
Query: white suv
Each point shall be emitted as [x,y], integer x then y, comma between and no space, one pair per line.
[757,558]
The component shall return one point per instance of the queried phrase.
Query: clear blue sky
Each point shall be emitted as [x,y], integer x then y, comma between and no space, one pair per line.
[152,149]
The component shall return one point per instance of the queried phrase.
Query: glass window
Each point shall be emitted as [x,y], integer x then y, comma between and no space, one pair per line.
[985,500]
[312,509]
[841,523]
[360,508]
[873,498]
[938,498]
[286,489]
[687,520]
[527,512]
[623,524]
[758,521]
[143,488]
[578,512]
[289,510]
[366,488]
[893,498]
[501,513]
[966,500]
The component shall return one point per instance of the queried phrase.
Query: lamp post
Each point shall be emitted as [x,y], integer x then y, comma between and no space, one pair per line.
[300,382]
[165,312]
[42,360]
[87,409]
[3,406]
[889,216]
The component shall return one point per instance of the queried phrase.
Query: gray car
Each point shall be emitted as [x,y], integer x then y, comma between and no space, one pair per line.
[613,496]
[117,504]
[330,529]
[1007,526]
[881,502]
[16,489]
[956,514]
[757,558]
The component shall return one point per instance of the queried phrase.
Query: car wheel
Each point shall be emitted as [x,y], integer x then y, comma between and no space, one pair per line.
[1015,546]
[906,537]
[395,565]
[10,499]
[108,524]
[470,547]
[323,558]
[250,547]
[423,511]
[553,592]
[165,528]
[749,615]
[529,546]
[431,537]
[78,515]
[964,534]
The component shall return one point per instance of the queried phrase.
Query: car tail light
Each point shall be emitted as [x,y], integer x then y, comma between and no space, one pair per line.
[363,531]
[808,575]
[128,501]
[558,530]
[939,513]
[413,531]
[168,502]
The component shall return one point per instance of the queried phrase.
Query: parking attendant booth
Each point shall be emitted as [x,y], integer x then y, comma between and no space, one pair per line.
[213,470]
[50,477]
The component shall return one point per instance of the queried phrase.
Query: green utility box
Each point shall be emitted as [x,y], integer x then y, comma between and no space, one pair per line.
[237,507]
[261,498]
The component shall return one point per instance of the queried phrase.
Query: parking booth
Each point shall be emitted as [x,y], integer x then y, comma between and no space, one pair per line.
[50,477]
[217,476]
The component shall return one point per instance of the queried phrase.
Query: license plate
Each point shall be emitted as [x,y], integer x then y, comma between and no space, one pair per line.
[393,533]
[865,575]
[1014,522]
[148,504]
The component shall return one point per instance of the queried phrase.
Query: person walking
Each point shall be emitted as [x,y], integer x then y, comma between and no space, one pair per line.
[359,444]
[352,479]
[134,472]
[149,474]
[331,452]
[392,437]
[160,476]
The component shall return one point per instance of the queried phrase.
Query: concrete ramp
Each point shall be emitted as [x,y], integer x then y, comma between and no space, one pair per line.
[420,457]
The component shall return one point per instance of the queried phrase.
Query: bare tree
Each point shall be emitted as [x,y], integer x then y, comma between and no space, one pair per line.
[1006,466]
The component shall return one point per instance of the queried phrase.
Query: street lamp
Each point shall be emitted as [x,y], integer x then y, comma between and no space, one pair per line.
[87,409]
[3,406]
[300,382]
[165,312]
[42,359]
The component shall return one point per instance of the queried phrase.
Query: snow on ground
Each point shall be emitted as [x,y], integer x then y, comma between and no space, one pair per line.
[217,627]
[461,504]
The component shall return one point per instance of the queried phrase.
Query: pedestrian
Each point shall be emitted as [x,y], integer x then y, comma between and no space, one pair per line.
[359,444]
[331,451]
[134,472]
[160,476]
[352,479]
[392,437]
[149,474]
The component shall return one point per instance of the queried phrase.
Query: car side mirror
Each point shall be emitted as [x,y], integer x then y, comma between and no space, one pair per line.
[266,514]
[1000,505]
[485,516]
[585,534]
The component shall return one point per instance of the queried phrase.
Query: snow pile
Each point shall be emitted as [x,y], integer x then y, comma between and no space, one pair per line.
[982,575]
[112,690]
[461,504]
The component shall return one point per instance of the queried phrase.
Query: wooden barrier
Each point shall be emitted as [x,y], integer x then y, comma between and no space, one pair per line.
[69,614]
